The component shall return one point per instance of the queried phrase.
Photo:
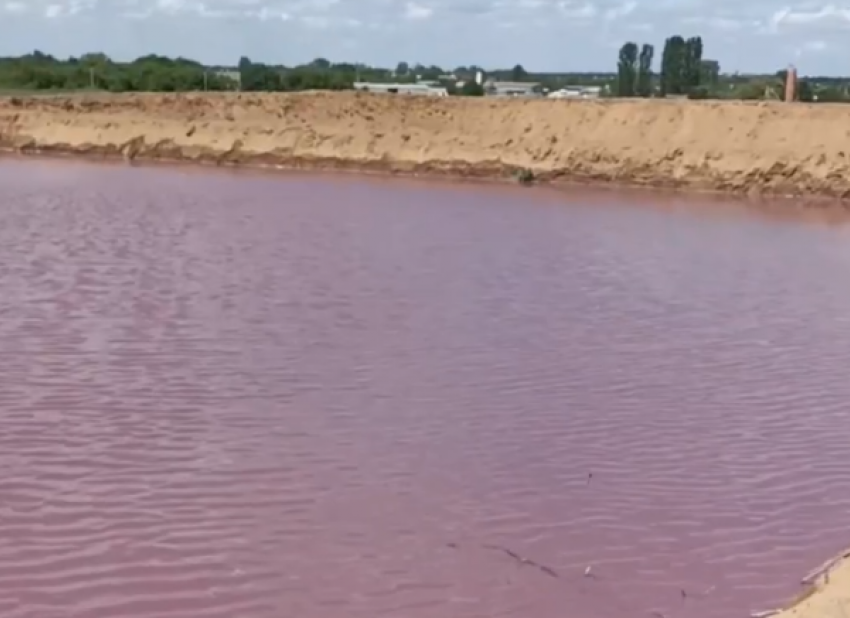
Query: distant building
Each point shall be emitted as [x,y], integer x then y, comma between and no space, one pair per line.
[418,89]
[511,89]
[576,92]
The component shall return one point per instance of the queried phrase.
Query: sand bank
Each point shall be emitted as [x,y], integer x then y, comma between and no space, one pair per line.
[825,593]
[736,147]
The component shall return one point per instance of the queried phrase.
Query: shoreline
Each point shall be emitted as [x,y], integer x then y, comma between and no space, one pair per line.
[450,171]
[813,209]
[733,148]
[825,593]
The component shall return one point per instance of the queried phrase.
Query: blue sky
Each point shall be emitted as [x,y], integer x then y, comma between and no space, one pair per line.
[756,35]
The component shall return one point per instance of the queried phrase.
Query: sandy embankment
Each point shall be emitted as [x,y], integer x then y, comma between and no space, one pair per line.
[738,147]
[826,593]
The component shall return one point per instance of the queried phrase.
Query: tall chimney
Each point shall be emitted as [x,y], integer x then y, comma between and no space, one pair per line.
[791,84]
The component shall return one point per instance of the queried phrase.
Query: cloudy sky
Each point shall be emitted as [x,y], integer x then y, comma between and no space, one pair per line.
[754,35]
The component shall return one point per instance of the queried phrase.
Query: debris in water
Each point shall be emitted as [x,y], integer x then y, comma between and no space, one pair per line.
[522,560]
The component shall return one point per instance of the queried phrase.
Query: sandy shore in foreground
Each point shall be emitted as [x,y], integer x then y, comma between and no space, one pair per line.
[826,592]
[738,147]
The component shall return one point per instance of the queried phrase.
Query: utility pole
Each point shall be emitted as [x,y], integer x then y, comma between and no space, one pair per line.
[205,80]
[91,78]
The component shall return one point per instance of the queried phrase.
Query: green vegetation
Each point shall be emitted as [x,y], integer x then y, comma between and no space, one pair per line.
[634,72]
[627,71]
[683,72]
[644,73]
[39,71]
[524,176]
[470,88]
[44,73]
[681,66]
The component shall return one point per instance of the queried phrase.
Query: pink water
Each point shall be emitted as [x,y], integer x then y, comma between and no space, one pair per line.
[230,396]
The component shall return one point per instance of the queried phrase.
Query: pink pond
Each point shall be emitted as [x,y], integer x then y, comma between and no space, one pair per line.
[247,396]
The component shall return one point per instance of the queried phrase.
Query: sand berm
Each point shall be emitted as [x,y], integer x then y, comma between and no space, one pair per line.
[765,148]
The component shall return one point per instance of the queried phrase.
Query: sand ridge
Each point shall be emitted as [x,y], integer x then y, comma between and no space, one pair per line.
[826,593]
[769,148]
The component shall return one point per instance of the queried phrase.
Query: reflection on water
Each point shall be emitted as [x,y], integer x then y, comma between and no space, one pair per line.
[309,397]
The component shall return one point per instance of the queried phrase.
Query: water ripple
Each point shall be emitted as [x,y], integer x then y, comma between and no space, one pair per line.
[261,397]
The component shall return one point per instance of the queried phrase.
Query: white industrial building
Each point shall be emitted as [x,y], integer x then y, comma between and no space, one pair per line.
[511,89]
[419,89]
[576,92]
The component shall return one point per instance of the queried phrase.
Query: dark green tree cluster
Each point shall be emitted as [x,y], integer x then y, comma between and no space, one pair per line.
[681,66]
[470,88]
[634,71]
[644,80]
[318,75]
[627,70]
[38,71]
[710,73]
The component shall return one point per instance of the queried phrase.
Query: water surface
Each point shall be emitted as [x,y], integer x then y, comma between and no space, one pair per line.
[229,396]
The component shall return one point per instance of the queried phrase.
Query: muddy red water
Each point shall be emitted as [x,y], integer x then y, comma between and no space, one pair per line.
[230,396]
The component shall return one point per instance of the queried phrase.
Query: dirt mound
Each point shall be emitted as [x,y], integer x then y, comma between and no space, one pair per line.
[734,146]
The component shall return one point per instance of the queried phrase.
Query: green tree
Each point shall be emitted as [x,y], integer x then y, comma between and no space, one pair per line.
[518,74]
[627,70]
[471,88]
[673,66]
[39,71]
[710,72]
[831,94]
[682,68]
[804,91]
[644,77]
[693,64]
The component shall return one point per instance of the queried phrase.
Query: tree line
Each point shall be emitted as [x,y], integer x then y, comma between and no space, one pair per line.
[683,69]
[38,71]
[152,73]
[685,72]
[634,71]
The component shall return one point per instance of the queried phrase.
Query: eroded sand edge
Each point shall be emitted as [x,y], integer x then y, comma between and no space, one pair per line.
[825,593]
[736,147]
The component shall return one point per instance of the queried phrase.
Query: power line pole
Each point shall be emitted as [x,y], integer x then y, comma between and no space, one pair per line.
[91,78]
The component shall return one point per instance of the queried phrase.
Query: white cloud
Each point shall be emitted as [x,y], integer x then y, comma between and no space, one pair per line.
[539,34]
[621,11]
[811,47]
[577,10]
[417,11]
[14,7]
[722,24]
[788,16]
